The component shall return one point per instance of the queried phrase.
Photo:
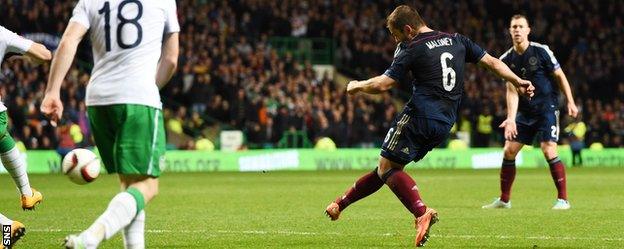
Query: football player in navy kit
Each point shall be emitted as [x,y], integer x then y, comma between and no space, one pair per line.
[535,118]
[436,61]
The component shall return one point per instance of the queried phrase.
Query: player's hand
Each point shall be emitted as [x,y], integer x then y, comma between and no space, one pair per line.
[572,110]
[52,107]
[353,87]
[526,88]
[510,129]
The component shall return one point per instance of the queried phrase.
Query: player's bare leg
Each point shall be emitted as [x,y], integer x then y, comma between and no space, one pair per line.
[557,171]
[404,187]
[123,209]
[507,175]
[363,187]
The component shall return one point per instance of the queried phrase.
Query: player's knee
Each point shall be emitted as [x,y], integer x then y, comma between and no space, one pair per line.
[151,189]
[155,191]
[148,188]
[386,166]
[550,151]
[510,152]
[382,169]
[550,155]
[149,194]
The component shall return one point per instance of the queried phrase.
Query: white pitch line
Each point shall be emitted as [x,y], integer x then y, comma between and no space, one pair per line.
[264,232]
[524,237]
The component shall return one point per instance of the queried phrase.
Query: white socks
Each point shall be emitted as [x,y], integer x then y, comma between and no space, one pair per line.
[5,221]
[120,212]
[134,233]
[15,165]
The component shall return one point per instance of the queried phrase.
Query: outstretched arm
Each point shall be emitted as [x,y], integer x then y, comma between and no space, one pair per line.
[373,85]
[51,105]
[38,53]
[168,59]
[21,47]
[564,85]
[497,66]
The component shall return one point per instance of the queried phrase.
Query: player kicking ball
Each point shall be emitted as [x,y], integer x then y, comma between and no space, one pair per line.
[436,60]
[11,43]
[535,118]
[135,51]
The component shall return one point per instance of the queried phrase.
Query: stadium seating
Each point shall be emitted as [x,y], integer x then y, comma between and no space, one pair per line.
[232,75]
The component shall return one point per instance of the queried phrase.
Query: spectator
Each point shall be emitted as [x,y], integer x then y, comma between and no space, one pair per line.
[232,76]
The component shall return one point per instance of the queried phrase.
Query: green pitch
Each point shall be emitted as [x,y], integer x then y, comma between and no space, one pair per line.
[285,210]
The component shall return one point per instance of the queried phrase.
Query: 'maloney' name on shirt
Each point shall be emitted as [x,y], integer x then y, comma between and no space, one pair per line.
[439,43]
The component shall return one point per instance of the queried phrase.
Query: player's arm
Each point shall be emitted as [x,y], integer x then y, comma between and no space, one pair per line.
[502,70]
[64,56]
[168,59]
[26,49]
[564,85]
[509,124]
[51,105]
[373,85]
[38,53]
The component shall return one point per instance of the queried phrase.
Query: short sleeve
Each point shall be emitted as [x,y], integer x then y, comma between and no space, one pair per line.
[171,24]
[14,42]
[505,57]
[548,59]
[400,65]
[474,52]
[80,14]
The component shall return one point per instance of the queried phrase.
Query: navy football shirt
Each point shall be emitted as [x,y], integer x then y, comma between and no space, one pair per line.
[536,64]
[436,60]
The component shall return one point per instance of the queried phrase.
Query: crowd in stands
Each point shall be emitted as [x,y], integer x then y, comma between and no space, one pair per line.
[231,77]
[587,38]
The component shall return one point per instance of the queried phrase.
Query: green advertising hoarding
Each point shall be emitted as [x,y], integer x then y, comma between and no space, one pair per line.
[341,159]
[40,162]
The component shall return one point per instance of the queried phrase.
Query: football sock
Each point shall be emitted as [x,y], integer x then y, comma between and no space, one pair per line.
[507,176]
[134,233]
[5,221]
[120,212]
[557,171]
[15,165]
[364,186]
[406,190]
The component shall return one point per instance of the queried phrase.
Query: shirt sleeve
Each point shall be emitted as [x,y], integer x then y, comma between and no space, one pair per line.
[80,14]
[14,42]
[403,57]
[474,52]
[548,59]
[171,24]
[505,56]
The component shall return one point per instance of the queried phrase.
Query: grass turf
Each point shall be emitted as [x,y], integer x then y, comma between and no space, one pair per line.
[285,210]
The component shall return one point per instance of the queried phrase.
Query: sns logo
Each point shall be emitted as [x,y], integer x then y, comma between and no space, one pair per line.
[6,236]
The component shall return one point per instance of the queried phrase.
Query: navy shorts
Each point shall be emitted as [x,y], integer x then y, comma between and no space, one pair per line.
[544,127]
[410,139]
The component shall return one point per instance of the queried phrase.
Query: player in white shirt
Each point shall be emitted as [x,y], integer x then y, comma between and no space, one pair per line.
[135,52]
[11,43]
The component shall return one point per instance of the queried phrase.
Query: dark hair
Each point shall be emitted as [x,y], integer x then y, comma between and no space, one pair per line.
[404,15]
[518,16]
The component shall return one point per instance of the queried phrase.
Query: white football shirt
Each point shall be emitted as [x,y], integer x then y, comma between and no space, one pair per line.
[126,38]
[11,43]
